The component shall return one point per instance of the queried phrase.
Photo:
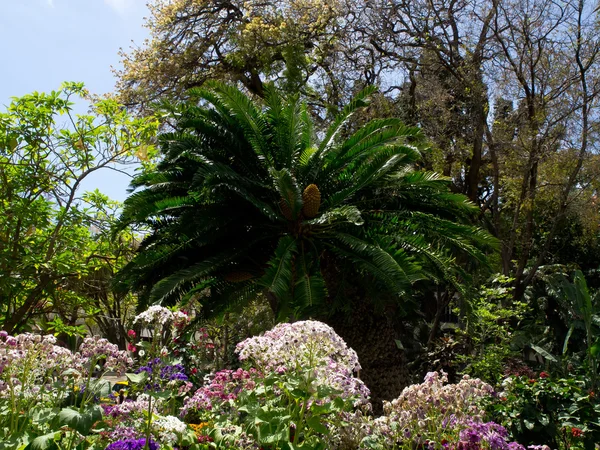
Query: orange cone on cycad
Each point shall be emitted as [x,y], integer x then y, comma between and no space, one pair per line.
[311,199]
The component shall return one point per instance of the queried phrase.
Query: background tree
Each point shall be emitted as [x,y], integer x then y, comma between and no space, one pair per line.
[248,42]
[550,59]
[506,92]
[46,236]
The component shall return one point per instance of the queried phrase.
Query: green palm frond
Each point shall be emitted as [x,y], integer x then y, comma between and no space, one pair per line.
[279,275]
[248,116]
[309,288]
[358,102]
[346,213]
[397,270]
[176,284]
[288,189]
[386,161]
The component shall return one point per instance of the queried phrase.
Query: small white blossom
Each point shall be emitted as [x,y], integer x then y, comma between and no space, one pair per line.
[169,428]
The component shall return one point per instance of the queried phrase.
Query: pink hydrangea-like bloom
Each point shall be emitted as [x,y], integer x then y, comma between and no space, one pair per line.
[224,386]
[312,344]
[29,361]
[136,407]
[93,349]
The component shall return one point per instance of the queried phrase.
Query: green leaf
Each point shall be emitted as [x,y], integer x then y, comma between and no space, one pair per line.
[80,421]
[543,352]
[315,423]
[45,442]
[137,378]
[567,337]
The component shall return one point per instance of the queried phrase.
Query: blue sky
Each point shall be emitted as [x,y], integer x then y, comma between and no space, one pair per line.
[46,42]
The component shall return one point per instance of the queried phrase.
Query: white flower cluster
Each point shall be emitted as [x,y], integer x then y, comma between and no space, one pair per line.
[307,344]
[169,429]
[155,315]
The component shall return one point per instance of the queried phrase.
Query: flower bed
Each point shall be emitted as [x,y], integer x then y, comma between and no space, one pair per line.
[297,389]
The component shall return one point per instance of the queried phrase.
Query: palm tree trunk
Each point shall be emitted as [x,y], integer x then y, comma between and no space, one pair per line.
[373,337]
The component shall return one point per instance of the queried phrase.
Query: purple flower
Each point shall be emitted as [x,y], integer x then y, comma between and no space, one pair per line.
[515,446]
[132,444]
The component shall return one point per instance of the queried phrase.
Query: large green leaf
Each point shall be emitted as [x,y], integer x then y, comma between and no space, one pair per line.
[45,442]
[82,422]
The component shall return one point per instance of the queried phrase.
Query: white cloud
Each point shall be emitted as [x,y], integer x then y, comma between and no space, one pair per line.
[50,3]
[120,6]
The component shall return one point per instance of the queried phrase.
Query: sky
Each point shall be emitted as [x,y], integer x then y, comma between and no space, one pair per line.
[46,42]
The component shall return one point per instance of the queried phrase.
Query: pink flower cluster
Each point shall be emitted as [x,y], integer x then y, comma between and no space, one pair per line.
[30,360]
[307,344]
[95,349]
[225,385]
[136,407]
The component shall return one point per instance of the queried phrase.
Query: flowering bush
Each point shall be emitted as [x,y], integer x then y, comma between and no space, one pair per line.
[307,344]
[164,327]
[96,351]
[435,414]
[298,385]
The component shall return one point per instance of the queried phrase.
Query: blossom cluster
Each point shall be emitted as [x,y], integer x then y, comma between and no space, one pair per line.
[28,361]
[477,434]
[434,398]
[132,444]
[162,376]
[132,407]
[95,349]
[312,344]
[169,429]
[435,413]
[155,315]
[224,386]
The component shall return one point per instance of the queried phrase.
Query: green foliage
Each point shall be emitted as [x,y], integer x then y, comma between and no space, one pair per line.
[50,234]
[226,200]
[565,312]
[490,327]
[280,401]
[553,411]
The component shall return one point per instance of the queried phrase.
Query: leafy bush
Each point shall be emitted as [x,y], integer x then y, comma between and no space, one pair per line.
[563,413]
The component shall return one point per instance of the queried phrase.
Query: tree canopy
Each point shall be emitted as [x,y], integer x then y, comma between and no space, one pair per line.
[50,233]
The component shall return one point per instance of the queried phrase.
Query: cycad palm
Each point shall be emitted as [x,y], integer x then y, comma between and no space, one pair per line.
[225,206]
